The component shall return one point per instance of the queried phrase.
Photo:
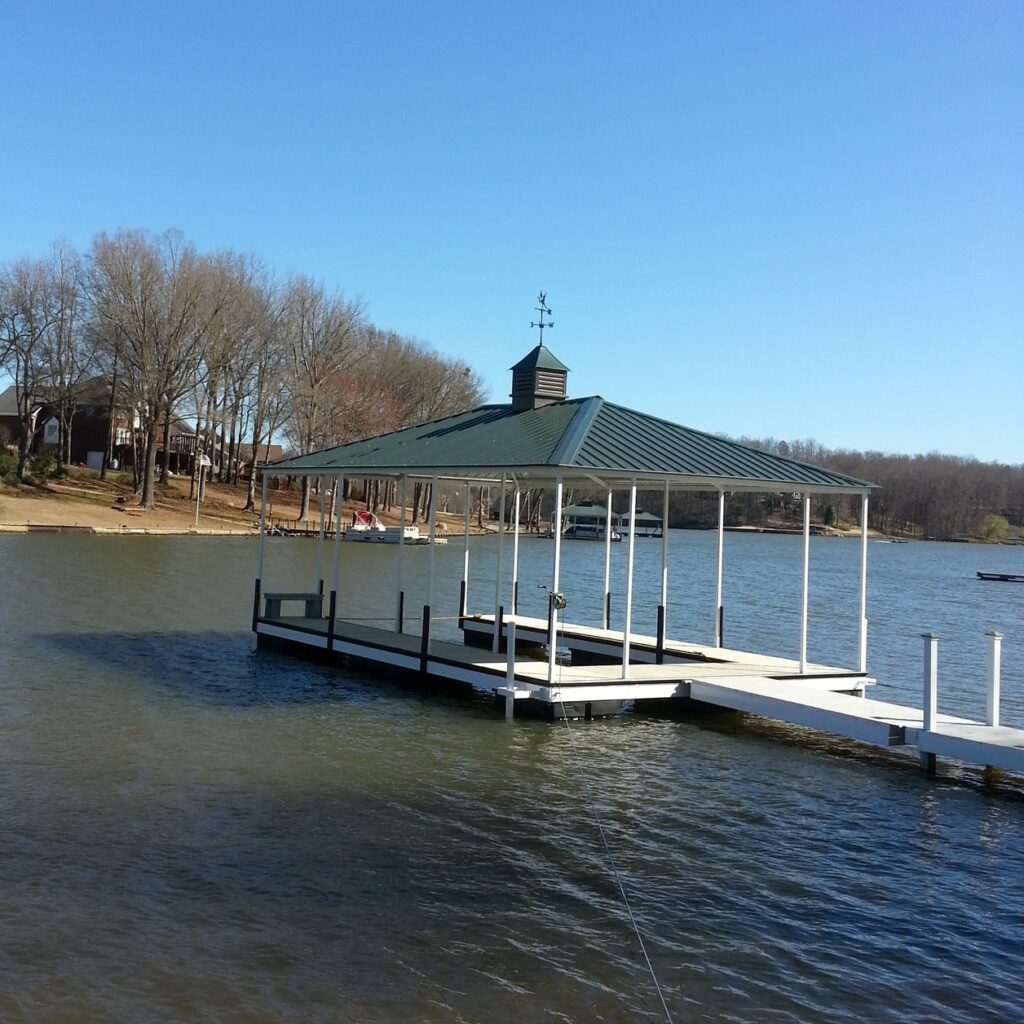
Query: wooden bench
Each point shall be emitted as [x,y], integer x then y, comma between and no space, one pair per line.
[314,604]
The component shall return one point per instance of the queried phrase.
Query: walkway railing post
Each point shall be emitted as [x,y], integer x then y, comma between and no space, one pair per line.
[718,574]
[664,558]
[556,526]
[863,631]
[805,579]
[995,641]
[510,670]
[931,679]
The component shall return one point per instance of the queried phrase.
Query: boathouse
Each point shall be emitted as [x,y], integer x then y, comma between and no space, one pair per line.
[545,438]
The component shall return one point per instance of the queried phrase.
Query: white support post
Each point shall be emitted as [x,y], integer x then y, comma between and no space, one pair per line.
[556,525]
[514,601]
[465,556]
[804,584]
[510,670]
[995,641]
[931,679]
[862,660]
[606,597]
[718,573]
[499,577]
[339,489]
[629,580]
[320,538]
[263,529]
[399,570]
[432,522]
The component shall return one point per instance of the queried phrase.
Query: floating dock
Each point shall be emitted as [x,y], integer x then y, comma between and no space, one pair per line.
[827,699]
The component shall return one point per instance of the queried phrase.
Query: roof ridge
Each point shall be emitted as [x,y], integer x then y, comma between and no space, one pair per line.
[569,444]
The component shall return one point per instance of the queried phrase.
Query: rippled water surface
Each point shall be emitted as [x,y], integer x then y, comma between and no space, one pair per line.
[190,830]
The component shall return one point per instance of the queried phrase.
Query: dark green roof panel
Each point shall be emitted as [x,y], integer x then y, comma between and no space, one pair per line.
[587,438]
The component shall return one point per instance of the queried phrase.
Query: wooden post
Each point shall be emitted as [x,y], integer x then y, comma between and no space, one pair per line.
[332,612]
[424,639]
[995,641]
[256,604]
[401,611]
[660,649]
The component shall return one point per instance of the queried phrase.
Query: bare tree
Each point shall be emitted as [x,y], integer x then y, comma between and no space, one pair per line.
[29,309]
[322,338]
[148,291]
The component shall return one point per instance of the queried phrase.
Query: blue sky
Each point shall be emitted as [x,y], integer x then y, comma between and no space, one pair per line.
[769,219]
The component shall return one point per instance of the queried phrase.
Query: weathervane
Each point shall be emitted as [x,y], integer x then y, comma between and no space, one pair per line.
[544,311]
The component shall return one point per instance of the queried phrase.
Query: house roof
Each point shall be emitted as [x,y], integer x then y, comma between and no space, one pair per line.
[588,440]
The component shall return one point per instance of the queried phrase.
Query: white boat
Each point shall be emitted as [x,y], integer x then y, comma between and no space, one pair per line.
[368,529]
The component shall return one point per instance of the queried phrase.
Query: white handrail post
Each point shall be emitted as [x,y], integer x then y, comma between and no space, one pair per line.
[629,579]
[862,661]
[510,670]
[995,641]
[718,575]
[931,679]
[804,583]
[606,597]
[499,578]
[556,525]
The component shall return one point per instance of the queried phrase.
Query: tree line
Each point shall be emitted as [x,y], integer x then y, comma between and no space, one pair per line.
[941,496]
[215,336]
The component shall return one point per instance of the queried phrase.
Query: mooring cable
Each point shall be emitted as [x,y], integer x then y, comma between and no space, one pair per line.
[611,861]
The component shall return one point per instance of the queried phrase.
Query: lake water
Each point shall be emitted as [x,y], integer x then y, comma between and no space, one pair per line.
[190,830]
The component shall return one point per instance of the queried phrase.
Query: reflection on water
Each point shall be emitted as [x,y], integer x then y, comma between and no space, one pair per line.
[191,830]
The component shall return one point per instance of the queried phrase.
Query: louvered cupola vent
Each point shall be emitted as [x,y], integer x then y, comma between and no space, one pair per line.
[538,379]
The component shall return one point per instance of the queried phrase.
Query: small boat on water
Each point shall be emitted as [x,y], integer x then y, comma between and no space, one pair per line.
[1002,577]
[368,529]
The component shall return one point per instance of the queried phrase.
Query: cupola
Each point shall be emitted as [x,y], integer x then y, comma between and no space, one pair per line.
[538,379]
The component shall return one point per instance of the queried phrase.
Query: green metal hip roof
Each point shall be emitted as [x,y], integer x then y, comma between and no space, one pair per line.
[585,439]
